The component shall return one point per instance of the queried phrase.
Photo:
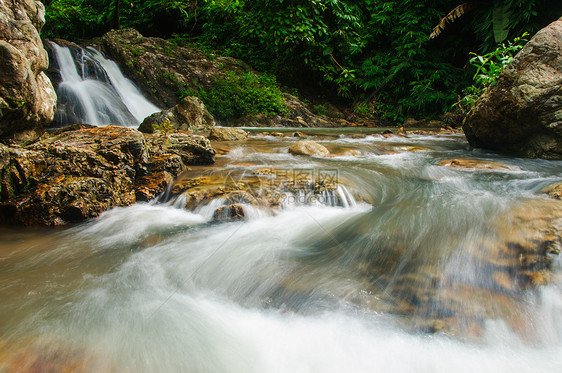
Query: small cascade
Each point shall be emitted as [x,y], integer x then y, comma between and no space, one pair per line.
[93,90]
[338,197]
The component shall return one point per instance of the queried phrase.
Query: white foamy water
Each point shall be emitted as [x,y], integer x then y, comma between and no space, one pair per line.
[156,288]
[100,97]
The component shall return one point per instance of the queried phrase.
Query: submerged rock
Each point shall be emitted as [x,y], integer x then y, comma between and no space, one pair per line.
[227,134]
[446,295]
[474,164]
[554,191]
[190,114]
[27,97]
[77,174]
[522,112]
[307,147]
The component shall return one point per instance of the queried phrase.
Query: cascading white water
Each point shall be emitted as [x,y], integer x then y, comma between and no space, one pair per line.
[99,97]
[157,288]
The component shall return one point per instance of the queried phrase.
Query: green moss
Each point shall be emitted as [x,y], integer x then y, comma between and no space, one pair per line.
[320,109]
[137,51]
[168,76]
[234,96]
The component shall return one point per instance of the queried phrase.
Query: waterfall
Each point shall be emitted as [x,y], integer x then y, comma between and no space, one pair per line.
[93,90]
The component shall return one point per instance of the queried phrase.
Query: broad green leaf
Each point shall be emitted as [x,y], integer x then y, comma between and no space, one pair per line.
[500,20]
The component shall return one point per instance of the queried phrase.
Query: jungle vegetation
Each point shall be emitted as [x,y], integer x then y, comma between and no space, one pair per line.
[386,59]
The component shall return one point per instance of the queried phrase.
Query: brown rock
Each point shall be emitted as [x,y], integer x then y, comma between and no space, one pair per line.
[158,173]
[27,97]
[554,191]
[473,164]
[190,114]
[74,175]
[306,147]
[522,112]
[229,213]
[228,134]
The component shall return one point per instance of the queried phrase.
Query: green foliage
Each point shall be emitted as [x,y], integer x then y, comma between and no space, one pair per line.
[320,109]
[496,20]
[82,19]
[372,52]
[234,96]
[488,68]
[75,19]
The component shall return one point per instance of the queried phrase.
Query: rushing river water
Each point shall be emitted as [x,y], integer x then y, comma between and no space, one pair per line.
[390,273]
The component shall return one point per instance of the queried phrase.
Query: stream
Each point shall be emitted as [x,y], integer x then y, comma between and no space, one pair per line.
[408,265]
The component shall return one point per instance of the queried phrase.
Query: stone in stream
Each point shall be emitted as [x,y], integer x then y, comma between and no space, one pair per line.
[225,214]
[27,97]
[522,113]
[228,134]
[475,164]
[267,189]
[307,147]
[554,191]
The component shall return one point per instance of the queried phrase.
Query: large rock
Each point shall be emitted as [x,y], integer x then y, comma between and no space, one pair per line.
[190,114]
[27,97]
[77,174]
[522,112]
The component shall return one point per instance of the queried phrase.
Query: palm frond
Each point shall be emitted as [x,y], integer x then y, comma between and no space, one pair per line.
[450,17]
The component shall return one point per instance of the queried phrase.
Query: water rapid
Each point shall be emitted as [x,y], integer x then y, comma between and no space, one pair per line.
[404,267]
[93,90]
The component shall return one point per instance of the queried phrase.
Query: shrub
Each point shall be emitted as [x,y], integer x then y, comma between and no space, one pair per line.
[233,96]
[488,68]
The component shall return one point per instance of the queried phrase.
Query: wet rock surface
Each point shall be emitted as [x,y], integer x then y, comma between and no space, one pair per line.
[227,134]
[228,213]
[474,164]
[73,175]
[307,147]
[190,114]
[27,97]
[265,188]
[554,191]
[522,113]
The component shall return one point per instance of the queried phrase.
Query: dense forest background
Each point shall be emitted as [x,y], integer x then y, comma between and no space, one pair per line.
[386,59]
